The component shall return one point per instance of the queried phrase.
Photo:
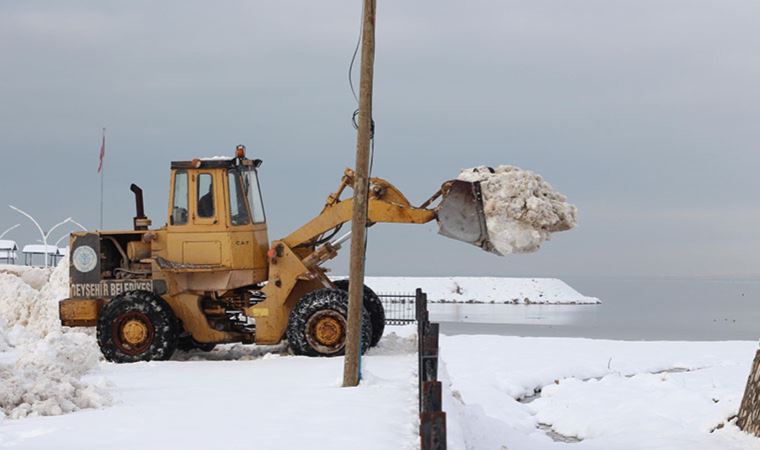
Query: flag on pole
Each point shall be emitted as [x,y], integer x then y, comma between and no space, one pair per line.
[102,152]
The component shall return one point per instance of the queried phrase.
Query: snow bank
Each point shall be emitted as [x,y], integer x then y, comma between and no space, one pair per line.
[588,409]
[614,395]
[522,210]
[484,289]
[50,361]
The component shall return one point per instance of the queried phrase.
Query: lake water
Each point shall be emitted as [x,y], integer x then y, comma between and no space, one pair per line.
[632,309]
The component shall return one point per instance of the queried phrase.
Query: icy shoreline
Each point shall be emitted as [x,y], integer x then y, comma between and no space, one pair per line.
[517,291]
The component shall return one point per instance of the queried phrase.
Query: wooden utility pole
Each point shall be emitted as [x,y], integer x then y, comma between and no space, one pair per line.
[361,188]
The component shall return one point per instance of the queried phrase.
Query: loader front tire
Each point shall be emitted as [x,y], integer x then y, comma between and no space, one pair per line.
[137,326]
[317,325]
[374,306]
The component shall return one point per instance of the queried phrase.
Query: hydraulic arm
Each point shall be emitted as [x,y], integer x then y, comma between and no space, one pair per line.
[295,261]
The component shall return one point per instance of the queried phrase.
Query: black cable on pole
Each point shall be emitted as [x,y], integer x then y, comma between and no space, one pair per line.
[356,98]
[353,59]
[371,139]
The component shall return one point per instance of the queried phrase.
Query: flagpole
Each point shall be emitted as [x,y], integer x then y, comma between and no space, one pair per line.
[102,172]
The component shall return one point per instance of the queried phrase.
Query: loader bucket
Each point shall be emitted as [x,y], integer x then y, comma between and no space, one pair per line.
[460,214]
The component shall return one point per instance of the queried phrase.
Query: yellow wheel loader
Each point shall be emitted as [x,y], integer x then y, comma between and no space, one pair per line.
[211,276]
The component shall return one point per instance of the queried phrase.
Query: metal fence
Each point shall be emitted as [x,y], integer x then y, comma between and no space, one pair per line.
[432,416]
[400,309]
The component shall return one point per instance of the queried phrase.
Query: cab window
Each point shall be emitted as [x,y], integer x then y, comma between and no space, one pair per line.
[179,206]
[205,195]
[254,197]
[238,209]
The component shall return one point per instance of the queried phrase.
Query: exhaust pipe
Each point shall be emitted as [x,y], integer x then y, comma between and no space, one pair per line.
[140,221]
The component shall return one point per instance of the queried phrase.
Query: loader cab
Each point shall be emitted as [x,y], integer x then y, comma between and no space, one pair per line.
[216,215]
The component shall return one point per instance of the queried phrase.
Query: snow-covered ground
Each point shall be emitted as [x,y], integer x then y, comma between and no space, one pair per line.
[613,395]
[501,392]
[57,392]
[607,394]
[484,289]
[241,397]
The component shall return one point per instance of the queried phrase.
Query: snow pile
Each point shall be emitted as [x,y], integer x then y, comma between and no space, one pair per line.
[35,277]
[5,344]
[521,209]
[46,378]
[483,289]
[401,341]
[36,310]
[44,318]
[17,299]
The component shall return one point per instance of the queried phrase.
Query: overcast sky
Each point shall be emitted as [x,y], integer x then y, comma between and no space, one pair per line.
[645,113]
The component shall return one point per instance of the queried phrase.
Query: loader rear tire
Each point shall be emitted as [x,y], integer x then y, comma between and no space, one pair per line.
[318,323]
[137,326]
[375,308]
